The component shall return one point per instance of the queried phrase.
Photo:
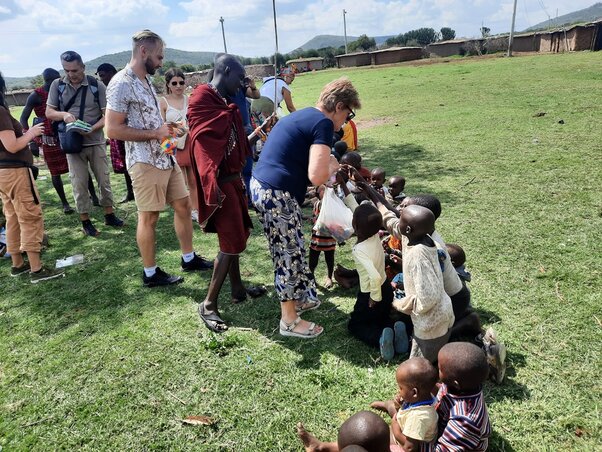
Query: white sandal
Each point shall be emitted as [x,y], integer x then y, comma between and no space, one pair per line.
[286,329]
[307,305]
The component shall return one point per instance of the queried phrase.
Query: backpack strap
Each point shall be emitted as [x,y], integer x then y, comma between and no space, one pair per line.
[93,84]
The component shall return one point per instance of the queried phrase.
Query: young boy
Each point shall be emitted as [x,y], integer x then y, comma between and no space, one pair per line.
[339,149]
[396,187]
[362,431]
[413,414]
[458,259]
[354,160]
[426,301]
[377,177]
[467,323]
[463,418]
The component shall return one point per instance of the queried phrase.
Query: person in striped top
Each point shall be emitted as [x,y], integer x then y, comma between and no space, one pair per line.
[463,418]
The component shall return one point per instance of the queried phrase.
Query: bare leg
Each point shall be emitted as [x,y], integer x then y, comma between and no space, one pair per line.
[237,287]
[289,315]
[57,183]
[145,236]
[183,224]
[192,188]
[312,444]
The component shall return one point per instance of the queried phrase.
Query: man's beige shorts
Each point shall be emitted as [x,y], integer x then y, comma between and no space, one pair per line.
[154,188]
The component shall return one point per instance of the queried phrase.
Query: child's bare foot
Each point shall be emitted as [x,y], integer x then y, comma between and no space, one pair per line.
[328,283]
[310,442]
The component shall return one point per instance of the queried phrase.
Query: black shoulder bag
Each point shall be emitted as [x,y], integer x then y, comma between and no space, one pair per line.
[71,141]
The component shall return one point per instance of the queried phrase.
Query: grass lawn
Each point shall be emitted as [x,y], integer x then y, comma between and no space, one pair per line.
[96,361]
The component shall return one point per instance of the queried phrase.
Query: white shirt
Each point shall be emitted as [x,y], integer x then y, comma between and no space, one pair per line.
[267,89]
[369,258]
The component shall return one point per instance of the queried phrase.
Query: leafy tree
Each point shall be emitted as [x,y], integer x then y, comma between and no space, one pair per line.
[188,68]
[447,34]
[362,43]
[38,80]
[485,31]
[422,36]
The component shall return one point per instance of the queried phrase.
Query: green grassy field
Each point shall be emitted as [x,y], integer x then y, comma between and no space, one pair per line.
[96,361]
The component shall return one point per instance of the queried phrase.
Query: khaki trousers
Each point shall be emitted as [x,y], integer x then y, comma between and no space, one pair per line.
[96,158]
[22,209]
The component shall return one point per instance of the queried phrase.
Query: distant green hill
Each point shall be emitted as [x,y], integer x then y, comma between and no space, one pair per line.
[590,14]
[120,59]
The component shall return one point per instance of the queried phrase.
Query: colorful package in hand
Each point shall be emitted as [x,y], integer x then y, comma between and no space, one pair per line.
[335,218]
[169,145]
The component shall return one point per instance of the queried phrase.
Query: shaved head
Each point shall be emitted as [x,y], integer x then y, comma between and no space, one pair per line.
[416,220]
[464,363]
[364,429]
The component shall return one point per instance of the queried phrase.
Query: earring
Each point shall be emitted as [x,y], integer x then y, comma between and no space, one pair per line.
[408,229]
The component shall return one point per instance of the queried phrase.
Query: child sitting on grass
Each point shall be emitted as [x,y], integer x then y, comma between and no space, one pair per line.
[362,431]
[354,160]
[413,414]
[377,177]
[463,418]
[321,242]
[396,187]
[458,259]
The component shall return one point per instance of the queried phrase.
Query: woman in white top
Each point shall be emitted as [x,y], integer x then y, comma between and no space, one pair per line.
[173,109]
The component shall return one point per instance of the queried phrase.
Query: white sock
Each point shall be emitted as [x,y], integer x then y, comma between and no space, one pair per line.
[150,271]
[188,257]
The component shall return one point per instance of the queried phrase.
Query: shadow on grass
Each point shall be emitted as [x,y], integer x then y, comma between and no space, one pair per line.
[409,158]
[498,443]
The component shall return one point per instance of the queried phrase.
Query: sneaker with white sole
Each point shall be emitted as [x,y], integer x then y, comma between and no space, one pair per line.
[45,273]
[22,270]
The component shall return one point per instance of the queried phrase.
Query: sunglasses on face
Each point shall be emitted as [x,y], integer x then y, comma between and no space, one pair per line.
[174,83]
[351,115]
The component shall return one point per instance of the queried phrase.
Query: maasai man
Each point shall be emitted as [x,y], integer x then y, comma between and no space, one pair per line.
[219,151]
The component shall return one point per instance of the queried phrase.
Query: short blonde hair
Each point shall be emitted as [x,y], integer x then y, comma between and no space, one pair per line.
[339,90]
[146,37]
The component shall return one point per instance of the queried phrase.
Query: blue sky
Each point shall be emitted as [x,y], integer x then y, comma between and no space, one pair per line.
[33,33]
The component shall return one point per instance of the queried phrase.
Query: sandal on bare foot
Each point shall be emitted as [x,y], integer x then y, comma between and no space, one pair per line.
[286,329]
[327,283]
[212,320]
[308,305]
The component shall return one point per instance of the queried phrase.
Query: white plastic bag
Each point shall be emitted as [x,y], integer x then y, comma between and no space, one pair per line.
[335,218]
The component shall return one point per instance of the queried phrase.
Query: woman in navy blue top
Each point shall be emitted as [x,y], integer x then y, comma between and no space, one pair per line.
[297,154]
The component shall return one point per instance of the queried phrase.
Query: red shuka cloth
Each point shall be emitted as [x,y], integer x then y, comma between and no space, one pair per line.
[211,121]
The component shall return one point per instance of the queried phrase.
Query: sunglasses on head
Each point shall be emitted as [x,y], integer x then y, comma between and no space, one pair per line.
[174,83]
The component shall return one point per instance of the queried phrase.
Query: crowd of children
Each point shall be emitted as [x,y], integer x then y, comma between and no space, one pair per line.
[412,297]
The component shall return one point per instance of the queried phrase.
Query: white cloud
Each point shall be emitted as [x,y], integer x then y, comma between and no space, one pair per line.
[4,10]
[97,27]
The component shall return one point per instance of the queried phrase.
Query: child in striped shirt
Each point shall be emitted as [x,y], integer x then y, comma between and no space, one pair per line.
[463,418]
